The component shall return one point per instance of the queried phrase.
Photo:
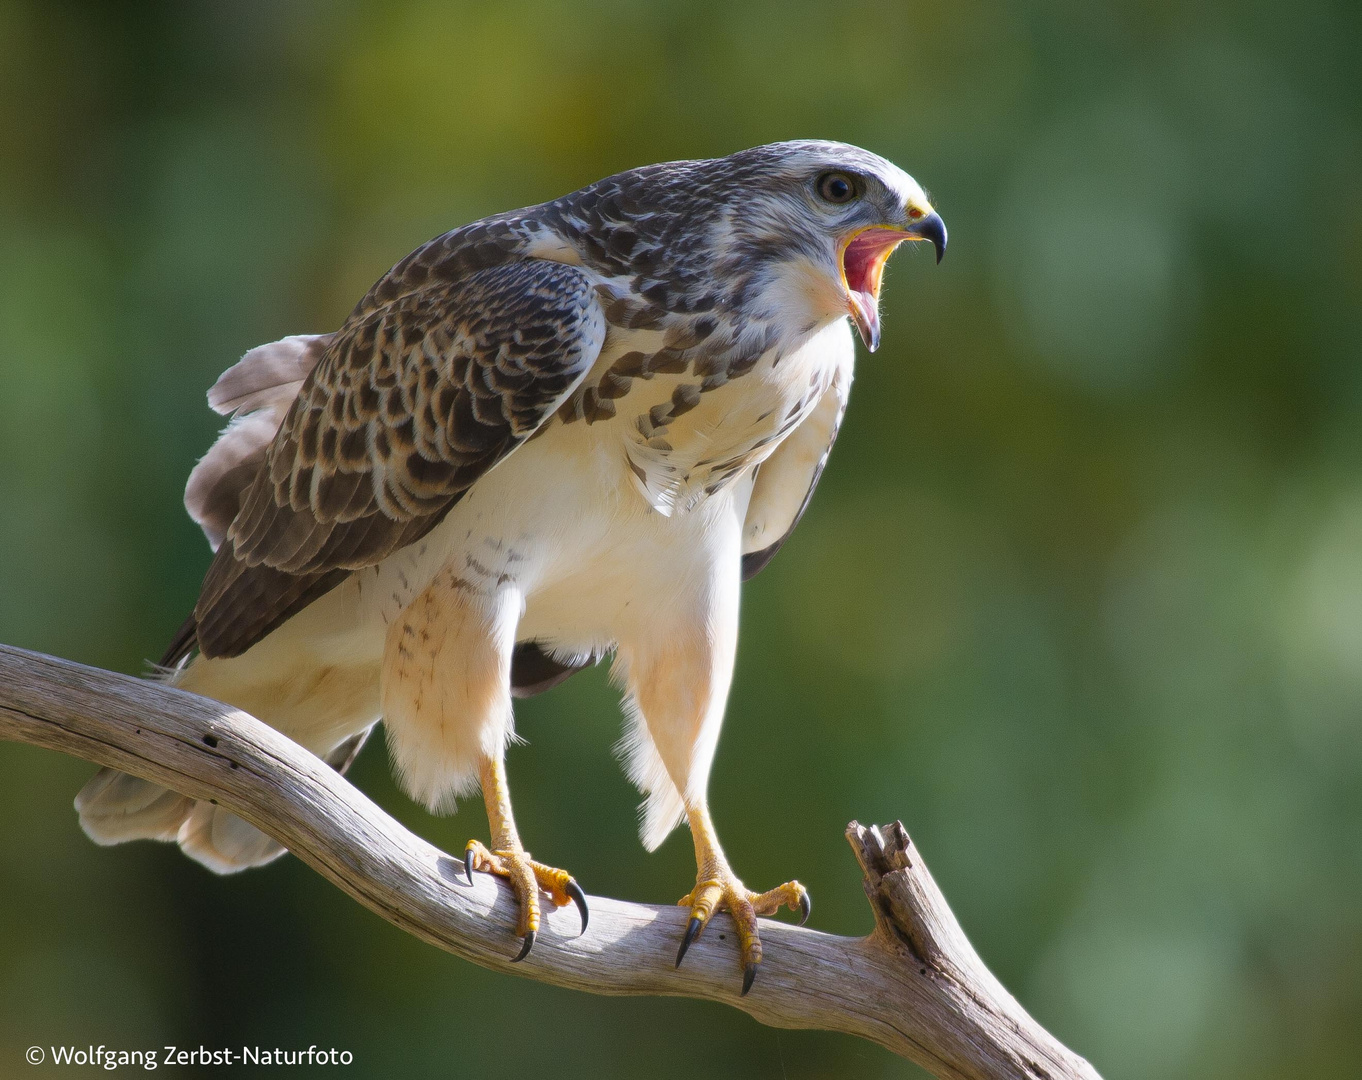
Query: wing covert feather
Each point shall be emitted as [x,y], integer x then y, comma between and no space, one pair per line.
[411,403]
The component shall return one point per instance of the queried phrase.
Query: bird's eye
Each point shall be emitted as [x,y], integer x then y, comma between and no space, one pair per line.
[836,187]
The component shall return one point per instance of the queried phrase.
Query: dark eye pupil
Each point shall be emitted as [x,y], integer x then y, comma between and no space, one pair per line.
[836,188]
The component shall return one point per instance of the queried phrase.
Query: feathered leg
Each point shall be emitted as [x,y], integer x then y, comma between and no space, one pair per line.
[678,669]
[447,708]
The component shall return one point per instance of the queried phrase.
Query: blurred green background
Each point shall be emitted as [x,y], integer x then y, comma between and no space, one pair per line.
[1080,598]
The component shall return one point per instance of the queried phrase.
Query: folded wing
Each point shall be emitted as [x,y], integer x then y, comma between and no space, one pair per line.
[786,480]
[410,403]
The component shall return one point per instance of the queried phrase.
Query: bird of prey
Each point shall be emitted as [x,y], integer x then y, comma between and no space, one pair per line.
[553,434]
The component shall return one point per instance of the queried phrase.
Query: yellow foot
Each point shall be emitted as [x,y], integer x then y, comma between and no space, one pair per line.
[721,890]
[527,878]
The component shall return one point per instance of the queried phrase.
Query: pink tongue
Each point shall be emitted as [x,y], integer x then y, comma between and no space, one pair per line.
[860,259]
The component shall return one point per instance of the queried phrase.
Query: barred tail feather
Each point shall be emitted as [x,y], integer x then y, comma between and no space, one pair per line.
[115,808]
[223,842]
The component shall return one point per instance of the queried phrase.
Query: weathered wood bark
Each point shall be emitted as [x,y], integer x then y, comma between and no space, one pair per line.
[915,985]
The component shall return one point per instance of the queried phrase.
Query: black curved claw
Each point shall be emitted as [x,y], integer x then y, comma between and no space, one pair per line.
[579,898]
[692,932]
[468,864]
[749,973]
[805,907]
[525,949]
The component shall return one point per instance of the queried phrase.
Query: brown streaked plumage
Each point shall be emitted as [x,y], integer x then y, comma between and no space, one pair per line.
[408,405]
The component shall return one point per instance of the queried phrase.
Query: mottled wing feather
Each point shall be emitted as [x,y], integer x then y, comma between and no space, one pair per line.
[786,480]
[182,644]
[411,403]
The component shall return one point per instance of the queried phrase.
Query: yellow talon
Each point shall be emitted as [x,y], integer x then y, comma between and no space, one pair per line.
[527,877]
[511,861]
[717,888]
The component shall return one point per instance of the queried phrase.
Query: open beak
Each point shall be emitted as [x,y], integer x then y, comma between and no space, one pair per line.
[863,257]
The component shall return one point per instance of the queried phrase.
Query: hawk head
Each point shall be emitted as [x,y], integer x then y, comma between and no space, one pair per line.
[818,221]
[794,234]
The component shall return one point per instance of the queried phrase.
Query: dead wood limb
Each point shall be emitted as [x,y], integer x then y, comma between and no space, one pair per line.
[915,985]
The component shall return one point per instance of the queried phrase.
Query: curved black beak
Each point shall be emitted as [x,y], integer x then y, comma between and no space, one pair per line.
[930,228]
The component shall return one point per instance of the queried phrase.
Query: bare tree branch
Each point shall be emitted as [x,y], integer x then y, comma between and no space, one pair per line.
[915,985]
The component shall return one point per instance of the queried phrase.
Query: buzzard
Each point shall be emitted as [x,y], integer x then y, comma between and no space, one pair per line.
[554,434]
